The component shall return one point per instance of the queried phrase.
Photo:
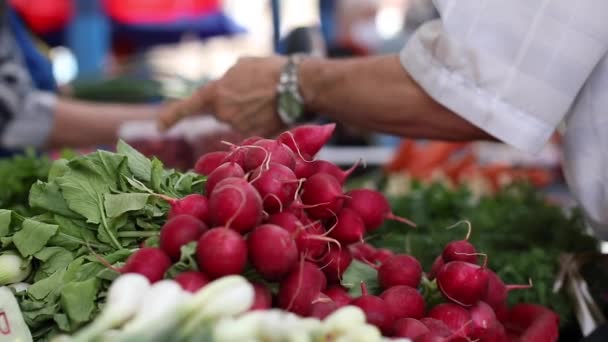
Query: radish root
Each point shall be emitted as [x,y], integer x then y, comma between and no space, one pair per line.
[241,206]
[484,255]
[295,143]
[468,223]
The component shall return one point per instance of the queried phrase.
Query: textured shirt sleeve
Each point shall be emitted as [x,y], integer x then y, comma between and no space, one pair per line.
[512,68]
[26,114]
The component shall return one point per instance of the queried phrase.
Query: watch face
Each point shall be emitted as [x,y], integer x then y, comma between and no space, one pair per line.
[290,108]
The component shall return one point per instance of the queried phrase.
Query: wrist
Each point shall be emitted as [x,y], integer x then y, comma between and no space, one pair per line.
[311,76]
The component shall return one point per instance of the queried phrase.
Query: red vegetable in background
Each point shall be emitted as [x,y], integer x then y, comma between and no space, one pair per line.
[272,251]
[236,204]
[373,208]
[301,287]
[179,231]
[400,270]
[222,172]
[462,282]
[307,139]
[150,262]
[194,205]
[377,311]
[191,281]
[409,328]
[220,252]
[404,302]
[262,299]
[338,295]
[209,162]
[323,194]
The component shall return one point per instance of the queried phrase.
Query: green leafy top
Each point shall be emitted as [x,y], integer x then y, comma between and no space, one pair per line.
[517,228]
[100,205]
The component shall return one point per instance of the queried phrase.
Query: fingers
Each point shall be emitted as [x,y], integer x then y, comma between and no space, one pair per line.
[201,101]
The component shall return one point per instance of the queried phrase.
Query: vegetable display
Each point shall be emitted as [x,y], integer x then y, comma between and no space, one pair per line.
[124,250]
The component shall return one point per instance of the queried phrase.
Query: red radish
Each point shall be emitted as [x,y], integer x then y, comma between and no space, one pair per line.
[404,302]
[272,251]
[373,208]
[236,156]
[236,204]
[461,250]
[323,193]
[194,205]
[301,287]
[462,282]
[191,281]
[334,263]
[250,141]
[436,267]
[307,139]
[323,307]
[222,172]
[362,251]
[430,337]
[483,320]
[268,151]
[377,311]
[277,186]
[348,227]
[543,329]
[209,162]
[262,299]
[497,292]
[312,243]
[382,255]
[323,166]
[502,312]
[401,269]
[338,295]
[286,220]
[409,328]
[499,334]
[310,239]
[220,252]
[454,316]
[522,316]
[304,166]
[179,231]
[150,262]
[436,326]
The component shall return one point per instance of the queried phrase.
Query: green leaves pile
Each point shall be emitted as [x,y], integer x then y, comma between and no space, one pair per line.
[517,228]
[17,174]
[93,207]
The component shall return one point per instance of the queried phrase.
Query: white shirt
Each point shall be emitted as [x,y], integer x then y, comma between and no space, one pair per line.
[517,69]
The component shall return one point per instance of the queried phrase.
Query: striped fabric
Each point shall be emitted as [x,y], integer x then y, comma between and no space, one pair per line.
[519,68]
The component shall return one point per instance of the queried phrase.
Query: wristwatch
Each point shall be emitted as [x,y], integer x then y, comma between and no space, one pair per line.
[290,103]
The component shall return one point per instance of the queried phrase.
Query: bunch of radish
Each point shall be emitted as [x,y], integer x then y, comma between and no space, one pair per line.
[475,307]
[270,210]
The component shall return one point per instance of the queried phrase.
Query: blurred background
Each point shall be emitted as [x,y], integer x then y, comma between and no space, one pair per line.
[148,51]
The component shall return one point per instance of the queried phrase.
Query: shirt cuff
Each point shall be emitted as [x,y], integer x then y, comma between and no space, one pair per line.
[32,125]
[477,105]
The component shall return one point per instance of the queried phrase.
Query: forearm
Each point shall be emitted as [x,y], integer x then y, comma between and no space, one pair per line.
[81,123]
[376,93]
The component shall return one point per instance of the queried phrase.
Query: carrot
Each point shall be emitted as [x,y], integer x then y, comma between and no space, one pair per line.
[402,156]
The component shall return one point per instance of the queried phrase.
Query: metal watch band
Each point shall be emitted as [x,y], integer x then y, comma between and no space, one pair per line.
[290,104]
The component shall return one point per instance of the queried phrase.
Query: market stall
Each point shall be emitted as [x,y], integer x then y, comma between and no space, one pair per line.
[442,262]
[320,233]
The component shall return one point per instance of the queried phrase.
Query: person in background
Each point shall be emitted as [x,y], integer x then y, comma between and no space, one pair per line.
[32,115]
[500,70]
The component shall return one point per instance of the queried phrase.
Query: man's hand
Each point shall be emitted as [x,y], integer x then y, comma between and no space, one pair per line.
[245,98]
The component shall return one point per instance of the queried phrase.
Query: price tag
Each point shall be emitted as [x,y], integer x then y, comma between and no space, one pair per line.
[12,325]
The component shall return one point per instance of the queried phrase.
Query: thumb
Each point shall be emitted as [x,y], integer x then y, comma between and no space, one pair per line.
[201,101]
